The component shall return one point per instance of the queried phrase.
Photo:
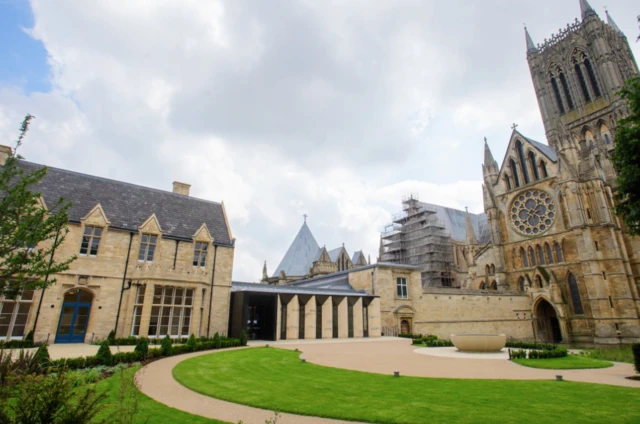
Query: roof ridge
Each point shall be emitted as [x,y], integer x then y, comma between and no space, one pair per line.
[95,177]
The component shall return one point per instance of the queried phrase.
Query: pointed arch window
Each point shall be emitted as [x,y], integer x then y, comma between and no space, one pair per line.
[493,269]
[558,249]
[487,270]
[582,81]
[556,92]
[538,282]
[494,285]
[483,286]
[507,182]
[566,91]
[523,164]
[592,77]
[540,255]
[549,253]
[532,161]
[521,284]
[525,260]
[532,257]
[514,171]
[543,169]
[575,295]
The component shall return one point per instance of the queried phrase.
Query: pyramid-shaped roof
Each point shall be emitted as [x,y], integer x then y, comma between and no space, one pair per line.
[301,254]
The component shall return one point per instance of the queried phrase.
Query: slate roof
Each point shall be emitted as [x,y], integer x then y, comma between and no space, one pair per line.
[128,205]
[334,253]
[237,286]
[356,256]
[548,151]
[456,224]
[301,253]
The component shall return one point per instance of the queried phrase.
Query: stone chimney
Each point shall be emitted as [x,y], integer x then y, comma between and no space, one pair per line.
[181,188]
[5,151]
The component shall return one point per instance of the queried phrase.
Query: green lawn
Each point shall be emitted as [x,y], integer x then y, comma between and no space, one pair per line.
[571,362]
[149,411]
[276,379]
[616,354]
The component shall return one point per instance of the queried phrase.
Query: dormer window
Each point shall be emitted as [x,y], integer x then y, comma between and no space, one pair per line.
[147,248]
[90,241]
[200,254]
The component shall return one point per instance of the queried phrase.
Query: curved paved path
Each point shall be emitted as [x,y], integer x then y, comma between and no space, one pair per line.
[156,381]
[374,355]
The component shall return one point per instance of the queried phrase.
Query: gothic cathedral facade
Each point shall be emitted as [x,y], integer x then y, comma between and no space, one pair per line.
[554,233]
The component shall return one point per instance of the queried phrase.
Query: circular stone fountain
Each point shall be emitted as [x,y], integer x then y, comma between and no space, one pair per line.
[479,342]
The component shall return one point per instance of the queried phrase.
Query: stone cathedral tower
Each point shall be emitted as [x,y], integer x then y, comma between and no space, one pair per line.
[554,233]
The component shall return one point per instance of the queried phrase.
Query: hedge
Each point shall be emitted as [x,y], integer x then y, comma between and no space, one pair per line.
[130,357]
[558,352]
[529,345]
[432,341]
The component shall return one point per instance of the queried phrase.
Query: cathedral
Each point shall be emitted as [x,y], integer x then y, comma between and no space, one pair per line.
[549,230]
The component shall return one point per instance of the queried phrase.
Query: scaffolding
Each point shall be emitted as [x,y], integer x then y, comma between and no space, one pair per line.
[416,236]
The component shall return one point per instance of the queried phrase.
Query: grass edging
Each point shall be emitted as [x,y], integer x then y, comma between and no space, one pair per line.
[277,380]
[571,362]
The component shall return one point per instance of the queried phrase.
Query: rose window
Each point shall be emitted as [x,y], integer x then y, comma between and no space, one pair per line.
[532,212]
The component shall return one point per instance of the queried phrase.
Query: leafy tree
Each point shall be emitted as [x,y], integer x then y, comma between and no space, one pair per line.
[626,159]
[29,233]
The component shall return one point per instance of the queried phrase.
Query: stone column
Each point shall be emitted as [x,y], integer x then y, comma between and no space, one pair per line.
[327,319]
[375,325]
[293,318]
[278,317]
[310,319]
[343,320]
[146,310]
[357,318]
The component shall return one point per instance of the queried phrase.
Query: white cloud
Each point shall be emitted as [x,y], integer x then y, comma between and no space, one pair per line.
[282,108]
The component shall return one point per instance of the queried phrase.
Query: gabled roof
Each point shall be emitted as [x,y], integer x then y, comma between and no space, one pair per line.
[455,222]
[301,254]
[546,150]
[127,206]
[356,256]
[334,253]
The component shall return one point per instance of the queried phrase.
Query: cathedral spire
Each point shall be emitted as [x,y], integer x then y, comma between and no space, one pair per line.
[471,234]
[612,23]
[586,10]
[264,271]
[488,157]
[531,47]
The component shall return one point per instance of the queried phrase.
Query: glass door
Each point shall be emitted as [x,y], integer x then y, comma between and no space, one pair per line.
[74,317]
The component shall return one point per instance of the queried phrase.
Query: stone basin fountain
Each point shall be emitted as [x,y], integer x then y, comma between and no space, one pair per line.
[479,342]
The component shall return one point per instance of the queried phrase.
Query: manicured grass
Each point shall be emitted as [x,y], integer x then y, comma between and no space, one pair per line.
[149,411]
[617,354]
[571,362]
[276,379]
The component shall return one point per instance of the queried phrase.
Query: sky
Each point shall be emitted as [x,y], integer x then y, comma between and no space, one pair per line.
[335,109]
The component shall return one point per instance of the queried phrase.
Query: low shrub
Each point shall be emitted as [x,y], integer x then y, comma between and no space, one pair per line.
[104,354]
[142,347]
[16,344]
[243,338]
[635,348]
[558,352]
[154,353]
[42,356]
[529,345]
[166,346]
[519,354]
[125,357]
[191,343]
[111,338]
[438,342]
[217,343]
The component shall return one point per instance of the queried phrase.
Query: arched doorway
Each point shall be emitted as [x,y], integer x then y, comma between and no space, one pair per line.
[547,324]
[405,327]
[74,316]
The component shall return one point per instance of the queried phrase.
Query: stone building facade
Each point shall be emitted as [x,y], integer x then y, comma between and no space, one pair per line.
[149,263]
[555,251]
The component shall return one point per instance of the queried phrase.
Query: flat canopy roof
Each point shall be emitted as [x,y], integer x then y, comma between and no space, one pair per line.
[237,286]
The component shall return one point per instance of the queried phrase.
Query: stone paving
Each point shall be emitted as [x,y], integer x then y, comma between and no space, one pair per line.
[384,356]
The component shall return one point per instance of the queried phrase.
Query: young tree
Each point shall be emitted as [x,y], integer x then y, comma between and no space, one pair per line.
[29,232]
[626,159]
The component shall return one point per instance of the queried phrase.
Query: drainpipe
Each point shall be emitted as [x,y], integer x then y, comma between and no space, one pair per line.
[213,275]
[46,278]
[124,276]
[373,287]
